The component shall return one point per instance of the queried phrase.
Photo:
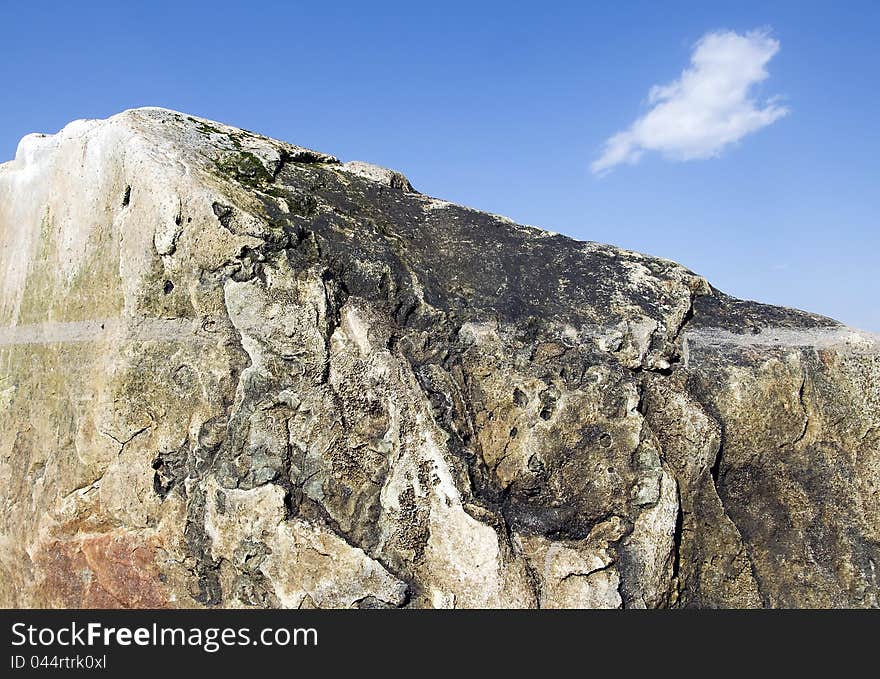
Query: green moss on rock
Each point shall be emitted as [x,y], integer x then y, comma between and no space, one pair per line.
[244,167]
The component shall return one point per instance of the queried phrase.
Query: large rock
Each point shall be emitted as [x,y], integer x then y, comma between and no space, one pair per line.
[236,372]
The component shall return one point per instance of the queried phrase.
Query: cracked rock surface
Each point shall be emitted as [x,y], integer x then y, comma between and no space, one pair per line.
[237,372]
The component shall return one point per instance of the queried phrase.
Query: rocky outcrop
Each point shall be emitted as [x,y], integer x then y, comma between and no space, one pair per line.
[237,372]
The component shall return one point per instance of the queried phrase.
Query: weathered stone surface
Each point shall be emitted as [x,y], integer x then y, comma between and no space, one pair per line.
[236,372]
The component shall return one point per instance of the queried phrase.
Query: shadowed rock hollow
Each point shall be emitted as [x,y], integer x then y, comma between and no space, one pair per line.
[237,372]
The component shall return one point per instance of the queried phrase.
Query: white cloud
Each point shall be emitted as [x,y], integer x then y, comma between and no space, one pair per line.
[707,108]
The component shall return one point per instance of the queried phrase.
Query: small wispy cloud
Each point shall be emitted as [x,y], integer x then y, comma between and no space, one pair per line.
[707,108]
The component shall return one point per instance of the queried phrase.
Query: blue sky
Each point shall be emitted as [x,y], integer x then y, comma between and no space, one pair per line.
[505,106]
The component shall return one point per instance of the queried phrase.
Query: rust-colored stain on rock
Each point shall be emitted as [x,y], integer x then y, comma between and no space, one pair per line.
[104,571]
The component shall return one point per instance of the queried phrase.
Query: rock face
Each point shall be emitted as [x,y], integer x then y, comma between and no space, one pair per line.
[236,372]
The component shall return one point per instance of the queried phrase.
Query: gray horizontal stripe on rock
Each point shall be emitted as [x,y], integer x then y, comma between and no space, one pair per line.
[105,330]
[819,338]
